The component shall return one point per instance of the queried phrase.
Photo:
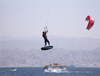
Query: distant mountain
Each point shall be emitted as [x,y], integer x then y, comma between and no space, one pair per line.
[19,52]
[57,42]
[38,58]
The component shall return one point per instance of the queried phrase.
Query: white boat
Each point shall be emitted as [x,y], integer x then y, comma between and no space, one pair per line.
[14,69]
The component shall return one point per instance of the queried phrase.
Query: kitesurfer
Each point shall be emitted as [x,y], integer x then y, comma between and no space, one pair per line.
[45,38]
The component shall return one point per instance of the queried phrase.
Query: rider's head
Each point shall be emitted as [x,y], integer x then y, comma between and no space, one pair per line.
[43,32]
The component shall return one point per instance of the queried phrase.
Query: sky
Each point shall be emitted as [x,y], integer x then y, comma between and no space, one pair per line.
[65,18]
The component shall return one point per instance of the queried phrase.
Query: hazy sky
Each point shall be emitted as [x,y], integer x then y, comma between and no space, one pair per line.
[26,18]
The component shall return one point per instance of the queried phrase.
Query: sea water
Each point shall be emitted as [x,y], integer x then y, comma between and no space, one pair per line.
[39,71]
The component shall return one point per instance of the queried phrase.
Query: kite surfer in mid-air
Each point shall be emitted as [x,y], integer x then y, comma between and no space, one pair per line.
[45,36]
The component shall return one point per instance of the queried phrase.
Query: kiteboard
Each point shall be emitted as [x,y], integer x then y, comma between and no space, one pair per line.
[46,47]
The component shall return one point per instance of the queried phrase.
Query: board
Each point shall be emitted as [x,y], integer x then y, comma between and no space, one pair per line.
[46,47]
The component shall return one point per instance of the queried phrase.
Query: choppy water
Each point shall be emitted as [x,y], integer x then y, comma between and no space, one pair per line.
[38,71]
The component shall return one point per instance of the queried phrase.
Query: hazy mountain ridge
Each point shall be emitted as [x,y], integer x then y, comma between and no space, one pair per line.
[19,52]
[37,58]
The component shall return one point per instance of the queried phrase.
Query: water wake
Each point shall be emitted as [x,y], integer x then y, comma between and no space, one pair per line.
[65,71]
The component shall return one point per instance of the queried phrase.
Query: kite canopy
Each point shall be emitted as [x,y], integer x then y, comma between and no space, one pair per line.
[91,22]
